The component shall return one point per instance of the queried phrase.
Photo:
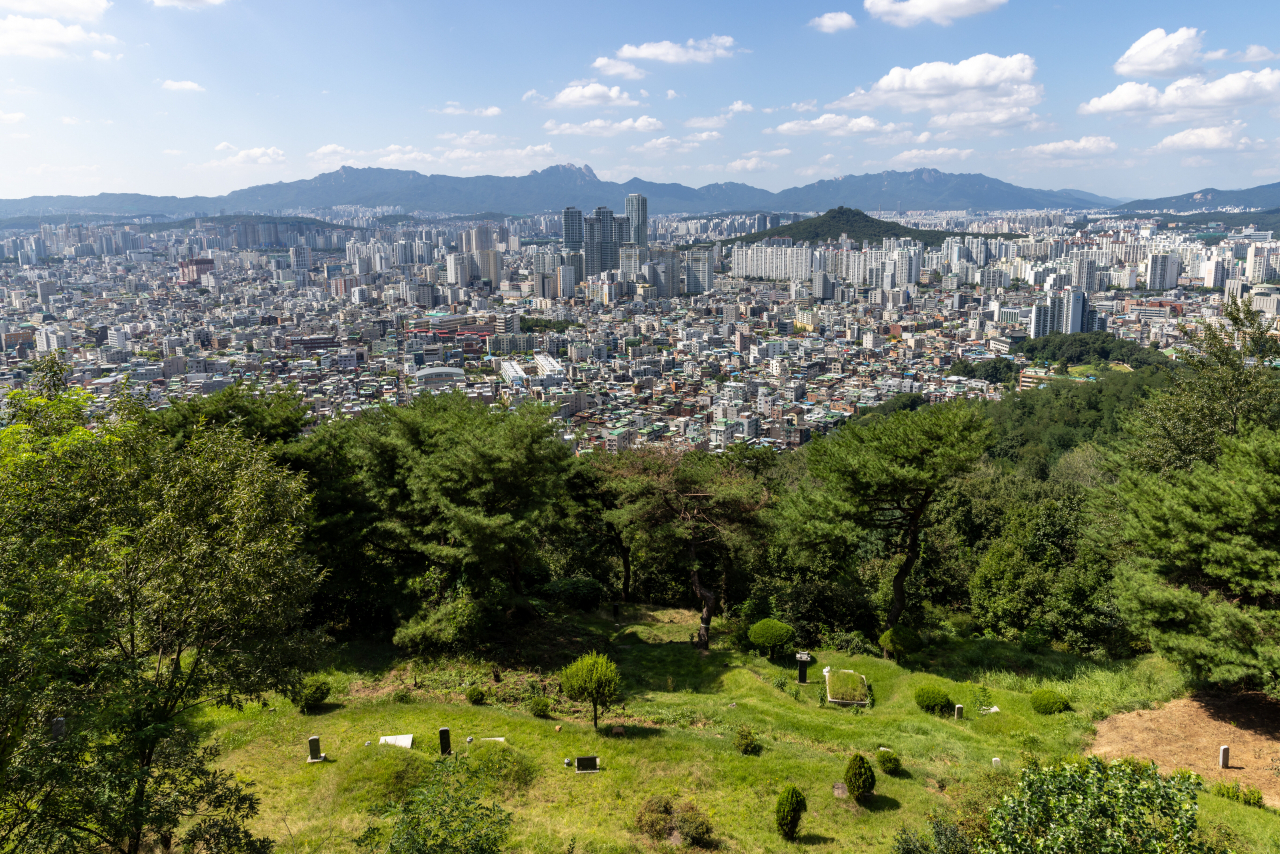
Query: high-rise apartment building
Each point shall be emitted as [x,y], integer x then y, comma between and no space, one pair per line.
[698,276]
[637,210]
[1163,269]
[599,244]
[571,229]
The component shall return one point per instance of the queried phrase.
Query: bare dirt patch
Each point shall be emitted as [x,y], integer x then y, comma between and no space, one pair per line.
[1187,734]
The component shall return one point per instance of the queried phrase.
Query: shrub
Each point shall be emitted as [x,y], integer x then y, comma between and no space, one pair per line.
[1250,796]
[932,699]
[889,762]
[771,634]
[311,694]
[780,683]
[540,707]
[580,594]
[453,626]
[1047,702]
[692,824]
[403,694]
[900,640]
[654,818]
[593,678]
[859,777]
[746,742]
[791,806]
[475,695]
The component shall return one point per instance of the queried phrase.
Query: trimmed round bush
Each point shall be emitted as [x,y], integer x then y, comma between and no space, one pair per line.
[858,776]
[746,742]
[540,707]
[475,695]
[692,824]
[791,806]
[900,640]
[934,700]
[654,818]
[770,634]
[1047,702]
[311,694]
[889,762]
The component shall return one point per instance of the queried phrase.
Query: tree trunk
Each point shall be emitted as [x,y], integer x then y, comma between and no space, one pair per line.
[708,598]
[595,715]
[625,553]
[909,563]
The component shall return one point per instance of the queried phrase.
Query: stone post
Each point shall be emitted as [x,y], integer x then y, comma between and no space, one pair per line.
[445,747]
[804,658]
[959,712]
[313,750]
[1224,757]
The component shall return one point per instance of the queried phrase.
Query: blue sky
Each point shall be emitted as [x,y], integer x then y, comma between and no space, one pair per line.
[179,97]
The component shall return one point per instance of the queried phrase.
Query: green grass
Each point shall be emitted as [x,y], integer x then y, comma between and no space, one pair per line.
[682,710]
[846,685]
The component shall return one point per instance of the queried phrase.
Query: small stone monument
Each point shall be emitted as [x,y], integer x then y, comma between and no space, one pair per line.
[804,658]
[619,730]
[58,729]
[995,763]
[445,747]
[586,764]
[405,741]
[840,790]
[959,712]
[313,750]
[1224,757]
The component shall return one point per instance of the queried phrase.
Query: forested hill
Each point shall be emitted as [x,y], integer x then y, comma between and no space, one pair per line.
[850,222]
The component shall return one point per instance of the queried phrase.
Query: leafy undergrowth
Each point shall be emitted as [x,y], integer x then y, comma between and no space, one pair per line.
[682,711]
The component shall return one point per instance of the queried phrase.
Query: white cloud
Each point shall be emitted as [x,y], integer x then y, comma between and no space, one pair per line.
[823,166]
[707,122]
[701,50]
[982,83]
[181,86]
[1257,53]
[750,164]
[1205,139]
[189,4]
[1195,161]
[1086,146]
[1161,54]
[44,38]
[833,22]
[777,152]
[463,160]
[664,145]
[70,120]
[248,156]
[833,125]
[704,136]
[79,10]
[1189,97]
[618,68]
[11,118]
[740,107]
[603,127]
[532,93]
[671,93]
[994,121]
[592,95]
[171,151]
[908,13]
[926,156]
[453,108]
[104,56]
[471,137]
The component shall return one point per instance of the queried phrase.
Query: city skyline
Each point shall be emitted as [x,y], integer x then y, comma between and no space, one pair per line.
[183,97]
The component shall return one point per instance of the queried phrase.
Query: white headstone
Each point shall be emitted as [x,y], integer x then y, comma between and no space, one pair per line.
[995,762]
[405,741]
[1224,756]
[959,712]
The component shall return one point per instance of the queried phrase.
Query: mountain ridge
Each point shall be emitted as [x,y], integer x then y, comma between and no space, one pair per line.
[1262,196]
[566,184]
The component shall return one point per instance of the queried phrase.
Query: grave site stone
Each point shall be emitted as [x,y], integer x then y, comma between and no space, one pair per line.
[586,764]
[313,750]
[405,741]
[804,658]
[445,747]
[1224,756]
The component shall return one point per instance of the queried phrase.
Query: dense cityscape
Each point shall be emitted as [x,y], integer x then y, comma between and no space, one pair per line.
[633,329]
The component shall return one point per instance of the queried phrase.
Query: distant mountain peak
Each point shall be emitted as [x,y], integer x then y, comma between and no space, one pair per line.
[567,170]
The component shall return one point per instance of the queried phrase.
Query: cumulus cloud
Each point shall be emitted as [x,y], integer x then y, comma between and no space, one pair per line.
[591,94]
[1222,138]
[704,136]
[11,118]
[1188,97]
[996,121]
[248,156]
[78,10]
[823,166]
[1161,54]
[750,164]
[618,68]
[463,160]
[454,108]
[1257,53]
[833,22]
[471,137]
[665,145]
[908,13]
[171,151]
[603,127]
[777,152]
[981,84]
[927,156]
[722,119]
[181,86]
[1086,146]
[45,38]
[671,93]
[833,125]
[700,50]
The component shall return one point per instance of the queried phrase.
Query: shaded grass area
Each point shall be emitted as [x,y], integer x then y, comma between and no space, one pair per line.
[682,709]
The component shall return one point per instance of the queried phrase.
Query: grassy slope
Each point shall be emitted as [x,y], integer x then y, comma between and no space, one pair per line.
[680,723]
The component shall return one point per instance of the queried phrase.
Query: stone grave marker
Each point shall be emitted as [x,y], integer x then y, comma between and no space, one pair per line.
[445,747]
[995,762]
[619,730]
[804,658]
[58,729]
[840,790]
[959,712]
[586,764]
[1224,756]
[313,750]
[405,741]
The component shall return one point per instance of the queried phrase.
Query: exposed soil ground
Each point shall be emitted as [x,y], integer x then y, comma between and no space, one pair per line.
[1187,734]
